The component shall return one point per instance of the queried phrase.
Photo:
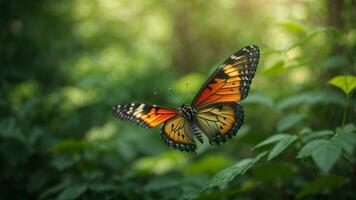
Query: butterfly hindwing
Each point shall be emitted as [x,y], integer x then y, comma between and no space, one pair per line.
[220,121]
[231,81]
[144,115]
[177,133]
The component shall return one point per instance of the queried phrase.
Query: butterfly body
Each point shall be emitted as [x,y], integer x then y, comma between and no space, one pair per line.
[214,111]
[187,112]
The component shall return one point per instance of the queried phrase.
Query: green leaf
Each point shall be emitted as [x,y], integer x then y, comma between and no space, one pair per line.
[281,146]
[346,140]
[326,155]
[272,139]
[321,184]
[276,69]
[346,83]
[226,175]
[72,192]
[293,27]
[349,128]
[317,134]
[53,190]
[288,122]
[308,149]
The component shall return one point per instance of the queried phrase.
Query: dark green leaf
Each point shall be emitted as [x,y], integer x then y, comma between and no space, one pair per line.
[72,192]
[226,175]
[281,146]
[346,140]
[326,154]
[308,148]
[321,184]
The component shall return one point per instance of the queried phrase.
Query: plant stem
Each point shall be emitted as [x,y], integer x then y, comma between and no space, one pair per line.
[346,109]
[347,159]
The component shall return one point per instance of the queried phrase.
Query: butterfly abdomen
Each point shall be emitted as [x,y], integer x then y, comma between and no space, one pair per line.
[197,132]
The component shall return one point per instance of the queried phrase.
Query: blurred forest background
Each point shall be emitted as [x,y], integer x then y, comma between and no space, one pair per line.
[64,64]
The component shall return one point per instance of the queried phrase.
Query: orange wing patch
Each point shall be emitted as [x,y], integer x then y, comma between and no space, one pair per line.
[220,121]
[231,81]
[177,133]
[147,116]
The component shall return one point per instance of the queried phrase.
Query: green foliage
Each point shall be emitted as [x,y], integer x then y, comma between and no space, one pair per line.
[281,146]
[64,64]
[226,175]
[320,184]
[325,152]
[346,83]
[288,122]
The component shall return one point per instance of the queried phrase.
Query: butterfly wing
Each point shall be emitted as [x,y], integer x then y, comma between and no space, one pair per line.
[220,121]
[177,133]
[147,116]
[231,81]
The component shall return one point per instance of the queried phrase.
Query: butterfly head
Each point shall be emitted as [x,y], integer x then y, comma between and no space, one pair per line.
[187,111]
[183,106]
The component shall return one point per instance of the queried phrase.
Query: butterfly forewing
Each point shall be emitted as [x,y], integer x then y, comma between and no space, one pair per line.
[231,81]
[220,121]
[147,116]
[177,133]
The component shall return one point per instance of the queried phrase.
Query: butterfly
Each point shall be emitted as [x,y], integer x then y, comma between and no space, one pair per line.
[214,111]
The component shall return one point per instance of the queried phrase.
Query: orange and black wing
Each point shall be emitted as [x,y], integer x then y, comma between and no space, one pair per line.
[231,81]
[177,133]
[220,121]
[147,116]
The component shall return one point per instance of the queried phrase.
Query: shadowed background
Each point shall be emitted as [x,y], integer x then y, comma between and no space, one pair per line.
[64,64]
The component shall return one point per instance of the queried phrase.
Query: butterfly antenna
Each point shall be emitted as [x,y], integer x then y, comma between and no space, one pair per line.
[186,90]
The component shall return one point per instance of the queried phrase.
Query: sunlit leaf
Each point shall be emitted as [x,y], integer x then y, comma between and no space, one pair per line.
[320,185]
[276,69]
[281,146]
[288,122]
[346,83]
[293,27]
[225,176]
